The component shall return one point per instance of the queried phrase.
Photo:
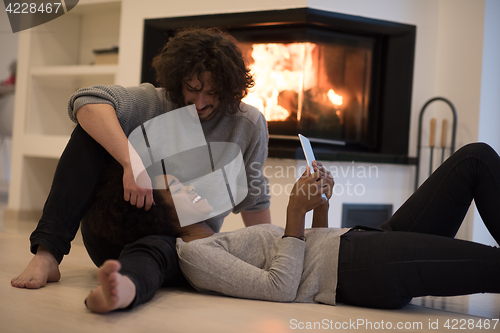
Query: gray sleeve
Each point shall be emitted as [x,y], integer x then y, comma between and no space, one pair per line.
[133,105]
[214,269]
[258,197]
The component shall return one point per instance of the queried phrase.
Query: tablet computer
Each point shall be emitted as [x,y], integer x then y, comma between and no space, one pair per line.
[308,152]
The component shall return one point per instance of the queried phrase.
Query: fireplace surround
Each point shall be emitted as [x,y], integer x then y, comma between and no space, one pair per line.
[354,100]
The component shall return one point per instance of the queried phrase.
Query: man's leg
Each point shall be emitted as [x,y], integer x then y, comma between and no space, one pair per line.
[99,248]
[439,205]
[75,180]
[115,291]
[149,263]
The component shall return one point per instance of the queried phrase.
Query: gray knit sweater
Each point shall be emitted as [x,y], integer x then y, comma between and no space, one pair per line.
[248,129]
[256,263]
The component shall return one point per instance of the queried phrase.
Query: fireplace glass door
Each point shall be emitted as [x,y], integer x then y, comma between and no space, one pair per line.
[318,89]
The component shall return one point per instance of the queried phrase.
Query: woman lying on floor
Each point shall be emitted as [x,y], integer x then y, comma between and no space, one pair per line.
[413,254]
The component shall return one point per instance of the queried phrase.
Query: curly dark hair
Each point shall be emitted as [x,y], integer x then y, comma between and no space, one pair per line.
[117,220]
[194,51]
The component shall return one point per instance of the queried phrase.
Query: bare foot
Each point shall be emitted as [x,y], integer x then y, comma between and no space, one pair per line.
[41,269]
[115,291]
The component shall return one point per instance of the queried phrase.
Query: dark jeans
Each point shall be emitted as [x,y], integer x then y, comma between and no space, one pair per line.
[414,254]
[75,182]
[150,262]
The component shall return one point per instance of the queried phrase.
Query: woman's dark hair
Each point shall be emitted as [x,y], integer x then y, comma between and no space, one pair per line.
[112,217]
[194,51]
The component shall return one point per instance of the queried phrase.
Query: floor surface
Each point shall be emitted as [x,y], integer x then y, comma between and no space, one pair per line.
[59,307]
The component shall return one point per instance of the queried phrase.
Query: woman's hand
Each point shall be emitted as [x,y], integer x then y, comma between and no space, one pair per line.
[320,215]
[307,192]
[327,177]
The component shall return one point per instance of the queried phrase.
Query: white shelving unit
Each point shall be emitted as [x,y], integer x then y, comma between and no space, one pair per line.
[55,59]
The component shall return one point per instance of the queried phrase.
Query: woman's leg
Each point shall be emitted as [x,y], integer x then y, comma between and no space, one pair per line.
[76,177]
[439,205]
[386,269]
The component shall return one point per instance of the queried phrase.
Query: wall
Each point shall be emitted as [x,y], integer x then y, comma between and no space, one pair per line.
[489,116]
[459,57]
[8,41]
[447,63]
[8,53]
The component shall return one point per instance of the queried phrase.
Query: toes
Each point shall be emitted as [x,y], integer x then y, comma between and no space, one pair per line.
[111,266]
[113,279]
[18,282]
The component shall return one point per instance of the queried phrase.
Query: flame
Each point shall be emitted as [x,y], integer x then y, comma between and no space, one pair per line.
[334,98]
[280,67]
[283,72]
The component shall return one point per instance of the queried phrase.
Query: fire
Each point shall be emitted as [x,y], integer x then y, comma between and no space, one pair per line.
[278,68]
[334,98]
[283,72]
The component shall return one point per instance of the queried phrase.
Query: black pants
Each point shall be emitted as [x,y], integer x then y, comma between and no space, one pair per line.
[150,262]
[415,253]
[75,182]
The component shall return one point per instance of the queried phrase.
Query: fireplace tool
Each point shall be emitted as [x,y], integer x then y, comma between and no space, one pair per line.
[432,136]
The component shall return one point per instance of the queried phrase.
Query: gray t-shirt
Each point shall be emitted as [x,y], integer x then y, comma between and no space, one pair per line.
[257,263]
[247,129]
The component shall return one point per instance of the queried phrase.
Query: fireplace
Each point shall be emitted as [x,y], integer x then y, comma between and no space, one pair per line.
[344,81]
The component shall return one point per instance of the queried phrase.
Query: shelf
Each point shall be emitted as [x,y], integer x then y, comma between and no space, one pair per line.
[73,70]
[45,146]
[50,89]
[4,90]
[56,59]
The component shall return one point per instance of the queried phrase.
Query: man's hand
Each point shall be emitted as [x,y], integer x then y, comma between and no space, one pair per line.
[101,123]
[139,196]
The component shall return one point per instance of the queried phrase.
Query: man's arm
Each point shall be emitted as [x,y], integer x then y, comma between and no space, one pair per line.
[101,123]
[256,217]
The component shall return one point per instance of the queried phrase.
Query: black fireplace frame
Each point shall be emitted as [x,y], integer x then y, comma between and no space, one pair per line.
[393,67]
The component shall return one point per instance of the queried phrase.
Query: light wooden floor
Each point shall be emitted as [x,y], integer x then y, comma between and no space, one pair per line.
[59,306]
